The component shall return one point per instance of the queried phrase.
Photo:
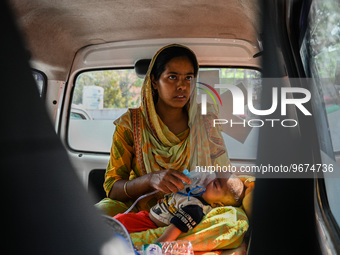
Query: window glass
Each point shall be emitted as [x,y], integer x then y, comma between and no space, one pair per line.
[40,82]
[100,97]
[321,57]
[240,140]
[324,61]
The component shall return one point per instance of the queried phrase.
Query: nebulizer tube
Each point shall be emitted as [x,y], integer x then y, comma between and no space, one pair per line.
[141,197]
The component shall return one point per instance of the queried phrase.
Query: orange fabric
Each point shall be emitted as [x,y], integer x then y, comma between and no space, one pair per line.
[242,250]
[249,183]
[136,222]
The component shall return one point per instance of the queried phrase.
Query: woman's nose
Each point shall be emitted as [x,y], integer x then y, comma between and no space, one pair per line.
[182,84]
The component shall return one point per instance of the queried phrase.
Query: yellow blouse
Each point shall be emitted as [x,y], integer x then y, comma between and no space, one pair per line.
[123,163]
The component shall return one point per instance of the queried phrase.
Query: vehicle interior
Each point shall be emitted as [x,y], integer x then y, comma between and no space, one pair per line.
[88,60]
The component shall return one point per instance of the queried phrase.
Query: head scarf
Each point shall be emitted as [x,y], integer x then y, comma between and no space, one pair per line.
[161,149]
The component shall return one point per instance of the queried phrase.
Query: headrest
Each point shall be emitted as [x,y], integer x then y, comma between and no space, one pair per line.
[141,67]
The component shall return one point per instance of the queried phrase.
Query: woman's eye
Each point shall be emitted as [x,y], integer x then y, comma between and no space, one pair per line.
[189,78]
[172,77]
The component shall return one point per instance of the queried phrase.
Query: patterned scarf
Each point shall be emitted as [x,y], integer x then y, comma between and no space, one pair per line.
[161,149]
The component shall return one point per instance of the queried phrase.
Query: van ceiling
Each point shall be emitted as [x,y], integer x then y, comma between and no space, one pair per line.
[55,30]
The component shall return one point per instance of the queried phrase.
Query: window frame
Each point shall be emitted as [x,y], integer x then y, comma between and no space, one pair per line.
[323,212]
[69,107]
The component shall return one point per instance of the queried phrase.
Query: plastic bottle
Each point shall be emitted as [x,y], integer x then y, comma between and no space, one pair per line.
[178,247]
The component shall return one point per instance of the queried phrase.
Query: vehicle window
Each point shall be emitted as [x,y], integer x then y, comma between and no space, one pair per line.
[100,97]
[77,116]
[240,138]
[321,54]
[40,82]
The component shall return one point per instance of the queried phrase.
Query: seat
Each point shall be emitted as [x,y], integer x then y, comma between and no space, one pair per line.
[95,184]
[141,67]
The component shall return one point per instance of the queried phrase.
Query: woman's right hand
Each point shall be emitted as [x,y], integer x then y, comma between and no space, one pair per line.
[168,181]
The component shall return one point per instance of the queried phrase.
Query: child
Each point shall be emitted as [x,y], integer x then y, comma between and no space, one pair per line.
[181,212]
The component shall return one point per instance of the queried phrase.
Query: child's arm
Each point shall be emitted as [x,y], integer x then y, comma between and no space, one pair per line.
[184,219]
[170,234]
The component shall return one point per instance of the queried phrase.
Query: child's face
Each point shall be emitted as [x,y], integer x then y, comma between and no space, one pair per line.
[218,192]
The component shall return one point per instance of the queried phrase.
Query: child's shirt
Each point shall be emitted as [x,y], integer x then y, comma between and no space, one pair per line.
[177,209]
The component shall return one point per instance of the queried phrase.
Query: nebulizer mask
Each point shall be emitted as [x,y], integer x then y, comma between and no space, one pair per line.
[199,181]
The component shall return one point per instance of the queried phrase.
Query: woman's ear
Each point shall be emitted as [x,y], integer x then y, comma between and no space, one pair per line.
[153,82]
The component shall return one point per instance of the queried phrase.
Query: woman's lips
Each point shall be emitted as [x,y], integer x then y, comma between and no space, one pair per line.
[180,97]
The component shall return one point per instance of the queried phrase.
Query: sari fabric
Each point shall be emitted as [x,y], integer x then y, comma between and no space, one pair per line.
[142,143]
[221,228]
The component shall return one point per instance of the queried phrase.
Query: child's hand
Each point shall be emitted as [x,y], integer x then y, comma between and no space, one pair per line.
[170,234]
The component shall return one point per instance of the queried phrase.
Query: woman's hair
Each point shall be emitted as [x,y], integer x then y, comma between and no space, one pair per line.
[169,53]
[164,57]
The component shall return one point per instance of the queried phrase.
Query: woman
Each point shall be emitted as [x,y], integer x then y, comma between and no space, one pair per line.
[151,144]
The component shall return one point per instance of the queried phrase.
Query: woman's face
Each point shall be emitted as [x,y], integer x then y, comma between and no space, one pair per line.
[173,86]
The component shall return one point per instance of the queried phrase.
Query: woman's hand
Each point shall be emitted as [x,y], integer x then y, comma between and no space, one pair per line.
[168,181]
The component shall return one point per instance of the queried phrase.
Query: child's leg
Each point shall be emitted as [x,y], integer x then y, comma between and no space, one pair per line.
[136,222]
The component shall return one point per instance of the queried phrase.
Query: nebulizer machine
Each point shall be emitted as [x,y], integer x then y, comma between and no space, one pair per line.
[199,180]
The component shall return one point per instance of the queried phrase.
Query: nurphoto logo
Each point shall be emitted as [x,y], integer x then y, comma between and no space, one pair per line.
[238,106]
[204,96]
